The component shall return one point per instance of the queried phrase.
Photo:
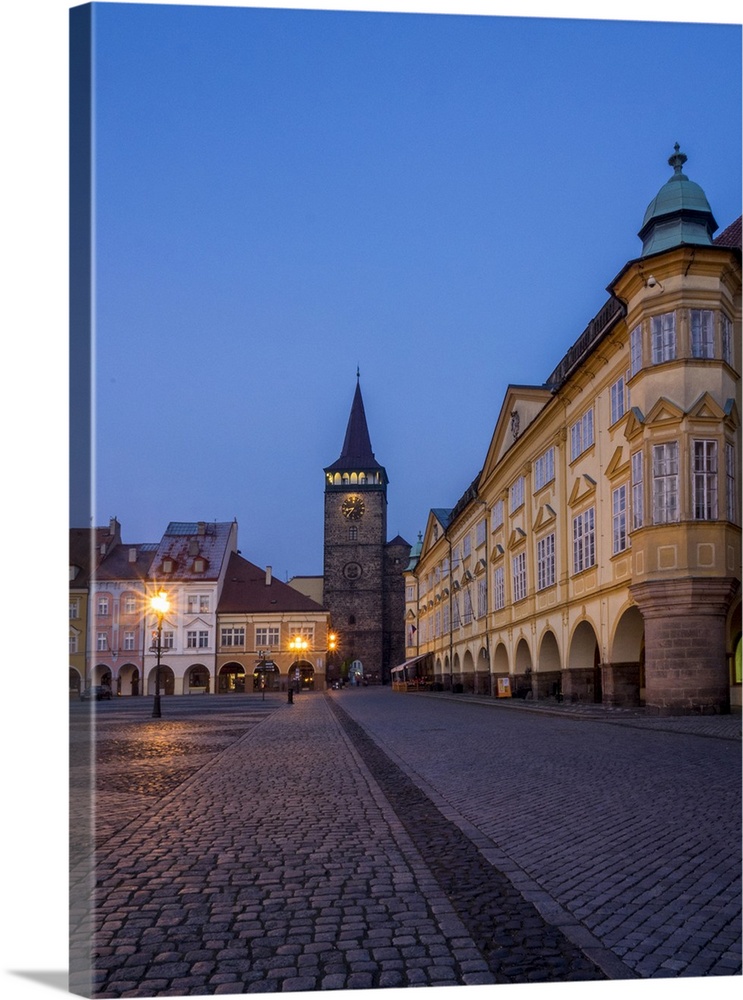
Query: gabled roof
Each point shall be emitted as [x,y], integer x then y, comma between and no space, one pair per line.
[357,450]
[521,405]
[185,541]
[245,591]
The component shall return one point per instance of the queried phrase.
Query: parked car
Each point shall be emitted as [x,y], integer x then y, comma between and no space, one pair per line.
[99,692]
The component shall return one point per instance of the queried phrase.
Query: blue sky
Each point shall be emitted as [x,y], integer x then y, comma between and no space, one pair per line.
[282,195]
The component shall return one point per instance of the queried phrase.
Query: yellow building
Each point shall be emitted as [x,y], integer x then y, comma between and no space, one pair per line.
[596,556]
[271,636]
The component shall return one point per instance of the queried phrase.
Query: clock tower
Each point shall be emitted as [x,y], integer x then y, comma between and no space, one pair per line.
[361,580]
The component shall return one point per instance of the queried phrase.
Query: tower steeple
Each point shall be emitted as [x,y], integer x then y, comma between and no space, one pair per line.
[356,455]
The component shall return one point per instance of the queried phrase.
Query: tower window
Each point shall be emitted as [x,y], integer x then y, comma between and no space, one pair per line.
[352,619]
[353,534]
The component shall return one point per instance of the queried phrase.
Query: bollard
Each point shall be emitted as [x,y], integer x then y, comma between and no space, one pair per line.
[290,696]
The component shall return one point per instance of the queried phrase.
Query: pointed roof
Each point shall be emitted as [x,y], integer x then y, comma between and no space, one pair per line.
[357,450]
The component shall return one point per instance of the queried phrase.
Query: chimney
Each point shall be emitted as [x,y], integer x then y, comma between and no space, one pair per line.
[113,524]
[269,576]
[132,555]
[201,525]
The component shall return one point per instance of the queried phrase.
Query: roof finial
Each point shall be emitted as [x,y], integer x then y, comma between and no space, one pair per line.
[677,160]
[358,373]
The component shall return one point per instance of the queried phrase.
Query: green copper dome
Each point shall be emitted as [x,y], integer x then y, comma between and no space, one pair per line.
[679,213]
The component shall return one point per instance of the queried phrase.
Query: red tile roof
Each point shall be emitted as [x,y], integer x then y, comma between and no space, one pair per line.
[245,590]
[730,237]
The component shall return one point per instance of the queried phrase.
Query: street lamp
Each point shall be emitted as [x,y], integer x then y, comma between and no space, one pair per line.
[160,605]
[299,646]
[332,646]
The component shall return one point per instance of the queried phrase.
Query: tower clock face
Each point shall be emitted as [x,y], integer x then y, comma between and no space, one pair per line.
[353,508]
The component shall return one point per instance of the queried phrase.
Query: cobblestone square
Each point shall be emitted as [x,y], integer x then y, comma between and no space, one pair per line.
[368,839]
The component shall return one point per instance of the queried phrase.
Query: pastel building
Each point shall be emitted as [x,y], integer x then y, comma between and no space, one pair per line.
[596,554]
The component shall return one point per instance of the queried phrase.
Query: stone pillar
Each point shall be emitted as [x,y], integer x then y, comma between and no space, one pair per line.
[621,684]
[686,670]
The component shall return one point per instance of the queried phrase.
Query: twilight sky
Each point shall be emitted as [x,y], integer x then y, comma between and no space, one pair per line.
[282,195]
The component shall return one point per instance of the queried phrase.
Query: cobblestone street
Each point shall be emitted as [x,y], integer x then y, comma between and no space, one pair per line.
[369,839]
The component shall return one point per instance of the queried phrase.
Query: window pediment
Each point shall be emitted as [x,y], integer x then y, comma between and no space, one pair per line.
[617,467]
[517,536]
[545,515]
[584,486]
[664,412]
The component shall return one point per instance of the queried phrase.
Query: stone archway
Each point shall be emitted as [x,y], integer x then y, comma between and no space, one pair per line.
[522,670]
[167,680]
[302,675]
[128,681]
[231,679]
[468,673]
[622,675]
[548,676]
[582,681]
[76,682]
[482,673]
[501,672]
[196,680]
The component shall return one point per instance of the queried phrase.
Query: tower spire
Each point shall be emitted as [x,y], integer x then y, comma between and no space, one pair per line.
[356,453]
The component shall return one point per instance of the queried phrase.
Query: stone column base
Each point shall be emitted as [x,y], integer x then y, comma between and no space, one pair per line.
[686,670]
[578,684]
[621,684]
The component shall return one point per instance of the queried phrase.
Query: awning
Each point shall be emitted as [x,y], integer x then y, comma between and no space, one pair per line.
[400,669]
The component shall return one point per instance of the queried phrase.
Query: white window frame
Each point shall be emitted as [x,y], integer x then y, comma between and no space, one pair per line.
[499,588]
[702,330]
[482,596]
[481,530]
[581,435]
[663,337]
[74,607]
[726,336]
[638,486]
[730,479]
[102,605]
[497,514]
[73,643]
[544,469]
[447,617]
[101,642]
[197,604]
[467,613]
[666,482]
[618,400]
[635,350]
[267,636]
[129,641]
[516,494]
[466,545]
[518,566]
[620,538]
[168,640]
[546,561]
[130,604]
[704,465]
[584,540]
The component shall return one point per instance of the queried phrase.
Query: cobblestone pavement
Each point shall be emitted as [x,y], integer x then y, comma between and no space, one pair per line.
[369,839]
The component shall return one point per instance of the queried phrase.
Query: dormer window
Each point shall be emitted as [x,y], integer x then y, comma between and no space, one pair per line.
[167,565]
[199,565]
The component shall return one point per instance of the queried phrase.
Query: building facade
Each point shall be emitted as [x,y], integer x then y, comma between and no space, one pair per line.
[271,636]
[363,584]
[596,555]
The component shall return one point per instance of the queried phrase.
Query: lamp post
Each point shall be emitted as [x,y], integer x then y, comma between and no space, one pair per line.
[160,605]
[332,646]
[299,646]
